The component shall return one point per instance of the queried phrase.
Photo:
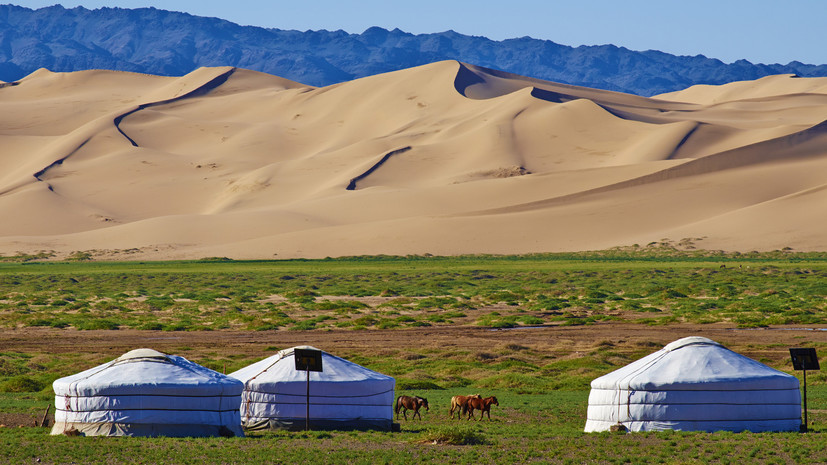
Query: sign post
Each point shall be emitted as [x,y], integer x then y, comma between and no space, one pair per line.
[307,360]
[804,359]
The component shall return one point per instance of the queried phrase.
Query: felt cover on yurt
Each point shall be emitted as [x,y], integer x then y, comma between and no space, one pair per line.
[695,384]
[148,393]
[342,396]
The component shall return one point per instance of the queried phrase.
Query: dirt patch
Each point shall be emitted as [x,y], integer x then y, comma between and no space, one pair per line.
[770,343]
[17,420]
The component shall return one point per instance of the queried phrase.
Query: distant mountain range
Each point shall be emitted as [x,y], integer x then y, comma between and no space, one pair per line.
[148,40]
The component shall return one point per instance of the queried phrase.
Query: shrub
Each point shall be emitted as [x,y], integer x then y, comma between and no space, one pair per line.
[366,321]
[435,302]
[151,326]
[79,256]
[300,293]
[22,384]
[387,324]
[304,325]
[97,324]
[453,435]
[415,384]
[265,327]
[159,303]
[530,320]
[177,326]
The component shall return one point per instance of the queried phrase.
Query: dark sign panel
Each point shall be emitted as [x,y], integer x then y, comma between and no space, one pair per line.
[804,359]
[308,359]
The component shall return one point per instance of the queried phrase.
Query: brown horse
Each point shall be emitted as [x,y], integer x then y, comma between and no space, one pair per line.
[483,405]
[460,404]
[414,403]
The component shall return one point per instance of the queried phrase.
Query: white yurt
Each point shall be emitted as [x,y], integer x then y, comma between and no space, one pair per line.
[148,393]
[695,384]
[342,396]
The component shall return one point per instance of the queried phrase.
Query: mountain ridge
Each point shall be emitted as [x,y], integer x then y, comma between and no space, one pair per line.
[160,42]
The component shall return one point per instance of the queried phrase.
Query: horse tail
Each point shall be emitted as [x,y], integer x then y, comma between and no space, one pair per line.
[396,406]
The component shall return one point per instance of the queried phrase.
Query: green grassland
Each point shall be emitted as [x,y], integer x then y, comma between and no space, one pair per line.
[398,292]
[525,428]
[542,394]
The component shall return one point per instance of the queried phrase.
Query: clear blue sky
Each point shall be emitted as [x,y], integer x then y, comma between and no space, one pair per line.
[761,31]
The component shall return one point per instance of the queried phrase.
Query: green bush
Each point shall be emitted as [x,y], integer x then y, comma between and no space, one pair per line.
[436,302]
[530,320]
[387,324]
[304,325]
[159,303]
[152,326]
[265,327]
[177,326]
[366,320]
[403,384]
[22,383]
[97,324]
[452,435]
[504,323]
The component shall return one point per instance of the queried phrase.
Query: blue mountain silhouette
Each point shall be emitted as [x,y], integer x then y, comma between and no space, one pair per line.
[154,41]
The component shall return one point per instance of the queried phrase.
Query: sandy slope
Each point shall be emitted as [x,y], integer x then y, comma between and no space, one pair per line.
[445,158]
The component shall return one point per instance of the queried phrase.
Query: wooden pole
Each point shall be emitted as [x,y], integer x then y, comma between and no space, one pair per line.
[45,415]
[805,401]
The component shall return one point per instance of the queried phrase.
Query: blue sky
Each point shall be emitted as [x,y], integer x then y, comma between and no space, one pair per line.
[761,31]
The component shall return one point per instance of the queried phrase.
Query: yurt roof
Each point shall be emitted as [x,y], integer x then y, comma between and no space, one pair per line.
[147,371]
[281,368]
[143,354]
[695,363]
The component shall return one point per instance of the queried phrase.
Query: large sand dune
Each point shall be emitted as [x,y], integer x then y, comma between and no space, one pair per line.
[446,158]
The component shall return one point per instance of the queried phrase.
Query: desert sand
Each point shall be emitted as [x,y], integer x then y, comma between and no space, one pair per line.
[446,158]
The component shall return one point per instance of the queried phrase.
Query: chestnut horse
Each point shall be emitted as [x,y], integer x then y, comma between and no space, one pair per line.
[483,405]
[460,404]
[414,403]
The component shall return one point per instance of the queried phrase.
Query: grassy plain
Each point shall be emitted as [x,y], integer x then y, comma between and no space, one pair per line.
[526,428]
[400,292]
[534,330]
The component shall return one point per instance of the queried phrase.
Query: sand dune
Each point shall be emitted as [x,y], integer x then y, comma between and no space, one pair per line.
[447,158]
